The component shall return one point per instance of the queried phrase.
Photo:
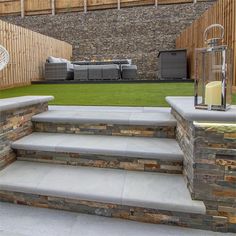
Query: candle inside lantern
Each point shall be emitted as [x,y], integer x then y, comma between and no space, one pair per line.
[213,93]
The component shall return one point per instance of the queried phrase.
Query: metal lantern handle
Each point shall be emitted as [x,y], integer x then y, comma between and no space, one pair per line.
[214,26]
[4,57]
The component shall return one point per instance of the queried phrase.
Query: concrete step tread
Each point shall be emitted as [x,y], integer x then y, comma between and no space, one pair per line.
[148,190]
[155,148]
[108,116]
[32,221]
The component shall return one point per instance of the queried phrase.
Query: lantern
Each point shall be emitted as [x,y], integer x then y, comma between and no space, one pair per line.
[213,73]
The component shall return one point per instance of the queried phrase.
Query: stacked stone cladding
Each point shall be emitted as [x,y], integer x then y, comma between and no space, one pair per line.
[15,124]
[210,165]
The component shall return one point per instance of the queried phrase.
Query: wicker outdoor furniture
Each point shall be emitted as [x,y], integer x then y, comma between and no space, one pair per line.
[57,71]
[60,69]
[129,72]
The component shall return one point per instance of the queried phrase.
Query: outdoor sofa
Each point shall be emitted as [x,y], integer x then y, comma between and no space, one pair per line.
[61,69]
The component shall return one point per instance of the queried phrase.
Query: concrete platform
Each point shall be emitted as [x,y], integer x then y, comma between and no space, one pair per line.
[155,148]
[139,189]
[16,220]
[93,115]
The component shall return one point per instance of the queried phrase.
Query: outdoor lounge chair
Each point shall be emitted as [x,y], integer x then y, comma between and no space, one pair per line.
[129,72]
[58,69]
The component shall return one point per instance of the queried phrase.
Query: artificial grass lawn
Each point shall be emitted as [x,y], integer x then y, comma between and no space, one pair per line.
[152,94]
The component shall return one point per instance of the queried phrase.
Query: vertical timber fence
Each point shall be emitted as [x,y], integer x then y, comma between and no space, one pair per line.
[34,7]
[28,51]
[222,12]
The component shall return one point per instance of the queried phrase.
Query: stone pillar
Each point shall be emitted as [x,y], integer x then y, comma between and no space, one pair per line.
[15,122]
[209,148]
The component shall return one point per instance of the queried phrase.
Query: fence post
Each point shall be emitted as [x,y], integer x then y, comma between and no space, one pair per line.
[53,8]
[85,6]
[22,7]
[118,4]
[156,3]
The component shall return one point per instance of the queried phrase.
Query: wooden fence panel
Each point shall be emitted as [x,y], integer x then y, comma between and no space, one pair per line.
[10,7]
[222,12]
[37,7]
[34,7]
[28,52]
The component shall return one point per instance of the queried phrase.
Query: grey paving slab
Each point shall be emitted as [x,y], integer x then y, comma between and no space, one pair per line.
[17,220]
[82,117]
[93,144]
[158,148]
[106,117]
[39,141]
[159,191]
[17,102]
[157,119]
[162,148]
[23,176]
[185,106]
[93,184]
[111,108]
[30,221]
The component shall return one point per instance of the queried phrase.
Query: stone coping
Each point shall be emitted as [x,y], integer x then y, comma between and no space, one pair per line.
[185,107]
[155,148]
[23,101]
[130,188]
[95,116]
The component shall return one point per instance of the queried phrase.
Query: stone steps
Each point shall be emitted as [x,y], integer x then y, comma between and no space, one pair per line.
[130,153]
[139,196]
[141,122]
[48,222]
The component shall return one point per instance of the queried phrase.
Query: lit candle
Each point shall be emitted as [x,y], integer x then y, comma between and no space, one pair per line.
[213,93]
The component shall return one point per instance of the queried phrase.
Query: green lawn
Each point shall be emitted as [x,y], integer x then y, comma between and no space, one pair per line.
[106,94]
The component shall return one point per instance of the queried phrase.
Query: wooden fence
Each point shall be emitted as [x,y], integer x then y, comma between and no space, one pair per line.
[28,51]
[223,12]
[34,7]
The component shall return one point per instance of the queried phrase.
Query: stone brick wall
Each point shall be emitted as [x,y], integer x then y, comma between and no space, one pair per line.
[15,124]
[137,33]
[210,165]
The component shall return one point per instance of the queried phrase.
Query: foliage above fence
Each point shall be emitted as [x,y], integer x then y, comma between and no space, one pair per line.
[28,51]
[223,12]
[34,7]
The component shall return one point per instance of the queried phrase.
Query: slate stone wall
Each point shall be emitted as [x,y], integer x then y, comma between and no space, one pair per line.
[137,33]
[15,124]
[210,165]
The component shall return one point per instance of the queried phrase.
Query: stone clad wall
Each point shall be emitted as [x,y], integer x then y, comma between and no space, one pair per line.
[210,165]
[15,124]
[137,33]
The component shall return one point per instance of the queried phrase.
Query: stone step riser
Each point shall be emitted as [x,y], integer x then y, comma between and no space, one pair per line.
[147,215]
[107,129]
[102,161]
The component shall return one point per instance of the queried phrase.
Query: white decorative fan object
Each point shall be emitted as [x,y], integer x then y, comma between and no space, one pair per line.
[4,57]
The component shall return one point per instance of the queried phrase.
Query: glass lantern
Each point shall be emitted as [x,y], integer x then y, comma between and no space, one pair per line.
[213,73]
